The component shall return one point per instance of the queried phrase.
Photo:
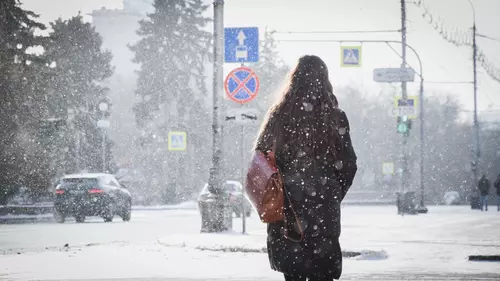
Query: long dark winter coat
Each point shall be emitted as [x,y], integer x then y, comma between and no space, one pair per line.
[316,185]
[484,186]
[497,185]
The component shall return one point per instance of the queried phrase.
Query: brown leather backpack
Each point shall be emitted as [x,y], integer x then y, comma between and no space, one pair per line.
[266,191]
[264,187]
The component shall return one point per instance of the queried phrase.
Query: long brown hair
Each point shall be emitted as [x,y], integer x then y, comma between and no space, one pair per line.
[302,116]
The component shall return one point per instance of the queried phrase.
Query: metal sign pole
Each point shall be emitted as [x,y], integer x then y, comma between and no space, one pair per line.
[243,210]
[242,144]
[241,86]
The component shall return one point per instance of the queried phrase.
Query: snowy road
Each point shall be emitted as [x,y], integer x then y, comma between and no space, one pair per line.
[166,245]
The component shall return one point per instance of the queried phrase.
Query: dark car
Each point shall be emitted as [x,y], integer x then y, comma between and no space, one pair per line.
[234,189]
[83,195]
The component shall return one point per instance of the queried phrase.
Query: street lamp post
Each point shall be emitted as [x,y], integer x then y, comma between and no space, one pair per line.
[103,124]
[71,118]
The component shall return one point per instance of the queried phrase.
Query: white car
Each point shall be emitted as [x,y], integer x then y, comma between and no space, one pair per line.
[236,196]
[451,198]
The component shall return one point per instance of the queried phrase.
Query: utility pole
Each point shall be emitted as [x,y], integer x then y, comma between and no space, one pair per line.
[217,220]
[404,176]
[422,208]
[476,123]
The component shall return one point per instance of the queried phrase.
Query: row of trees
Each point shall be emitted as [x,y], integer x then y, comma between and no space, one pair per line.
[50,89]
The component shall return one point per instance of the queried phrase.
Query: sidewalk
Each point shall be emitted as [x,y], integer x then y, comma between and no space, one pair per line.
[348,277]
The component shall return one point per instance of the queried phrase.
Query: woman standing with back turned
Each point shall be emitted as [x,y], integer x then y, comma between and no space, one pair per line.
[315,156]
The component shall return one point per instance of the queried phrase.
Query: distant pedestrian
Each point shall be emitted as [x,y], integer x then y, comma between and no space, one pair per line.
[497,186]
[484,190]
[315,156]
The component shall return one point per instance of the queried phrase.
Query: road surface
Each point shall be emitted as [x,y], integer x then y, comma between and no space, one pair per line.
[167,245]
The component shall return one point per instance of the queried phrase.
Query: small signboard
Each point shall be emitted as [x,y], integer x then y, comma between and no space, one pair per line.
[393,75]
[242,116]
[408,107]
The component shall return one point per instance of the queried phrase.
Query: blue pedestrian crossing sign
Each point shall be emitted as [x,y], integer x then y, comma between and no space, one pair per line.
[350,56]
[241,44]
[177,141]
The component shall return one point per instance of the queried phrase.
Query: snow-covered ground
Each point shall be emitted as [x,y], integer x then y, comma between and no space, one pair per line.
[167,245]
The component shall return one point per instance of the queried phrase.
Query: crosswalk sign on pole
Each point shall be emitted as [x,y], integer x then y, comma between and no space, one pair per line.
[388,168]
[350,56]
[177,141]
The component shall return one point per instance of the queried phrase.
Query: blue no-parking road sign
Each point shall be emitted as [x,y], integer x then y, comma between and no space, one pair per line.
[242,85]
[241,44]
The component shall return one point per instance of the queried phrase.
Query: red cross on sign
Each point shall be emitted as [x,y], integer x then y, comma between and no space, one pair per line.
[242,85]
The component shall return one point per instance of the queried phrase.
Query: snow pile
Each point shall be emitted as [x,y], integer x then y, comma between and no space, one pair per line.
[234,242]
[188,205]
[372,255]
[224,242]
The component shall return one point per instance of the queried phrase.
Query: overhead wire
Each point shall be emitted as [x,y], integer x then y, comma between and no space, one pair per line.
[339,31]
[448,82]
[459,37]
[487,37]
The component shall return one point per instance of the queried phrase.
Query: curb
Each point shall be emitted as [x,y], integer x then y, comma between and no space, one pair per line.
[15,219]
[495,258]
[163,208]
[345,254]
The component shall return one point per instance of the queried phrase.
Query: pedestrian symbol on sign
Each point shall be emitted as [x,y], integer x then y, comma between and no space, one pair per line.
[177,141]
[350,56]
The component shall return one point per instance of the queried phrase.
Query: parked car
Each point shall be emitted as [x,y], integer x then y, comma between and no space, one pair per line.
[234,190]
[82,195]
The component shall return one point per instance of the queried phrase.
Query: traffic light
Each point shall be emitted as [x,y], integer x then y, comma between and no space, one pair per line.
[404,125]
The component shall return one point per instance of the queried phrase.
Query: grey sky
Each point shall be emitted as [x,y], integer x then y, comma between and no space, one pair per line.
[442,61]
